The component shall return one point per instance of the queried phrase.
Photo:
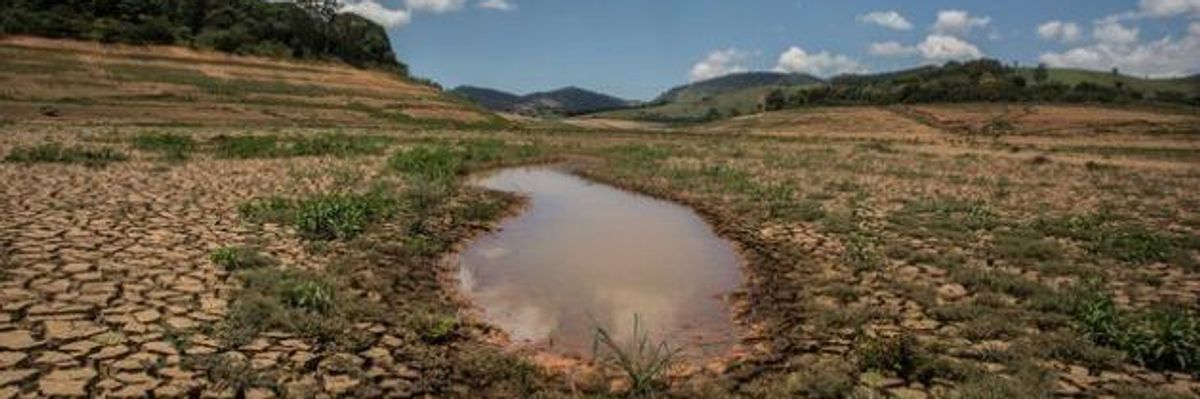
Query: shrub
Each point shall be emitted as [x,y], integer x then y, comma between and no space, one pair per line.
[57,153]
[240,258]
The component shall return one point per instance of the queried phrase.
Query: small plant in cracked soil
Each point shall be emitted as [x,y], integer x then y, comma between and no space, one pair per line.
[95,157]
[644,363]
[236,258]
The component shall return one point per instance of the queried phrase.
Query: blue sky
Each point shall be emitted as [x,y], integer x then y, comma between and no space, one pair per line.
[638,48]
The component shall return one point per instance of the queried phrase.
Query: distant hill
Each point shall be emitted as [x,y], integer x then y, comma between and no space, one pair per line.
[733,83]
[565,101]
[488,98]
[725,96]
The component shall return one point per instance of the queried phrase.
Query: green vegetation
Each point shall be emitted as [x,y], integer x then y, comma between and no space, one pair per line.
[643,362]
[276,299]
[1163,338]
[303,29]
[172,147]
[338,216]
[238,258]
[58,153]
[270,146]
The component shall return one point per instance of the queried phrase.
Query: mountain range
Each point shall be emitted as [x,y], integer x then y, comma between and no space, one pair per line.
[563,102]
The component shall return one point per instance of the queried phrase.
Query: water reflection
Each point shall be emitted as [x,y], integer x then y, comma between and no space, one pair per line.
[586,254]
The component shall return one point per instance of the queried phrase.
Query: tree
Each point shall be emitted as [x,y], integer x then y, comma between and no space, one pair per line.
[1041,74]
[774,101]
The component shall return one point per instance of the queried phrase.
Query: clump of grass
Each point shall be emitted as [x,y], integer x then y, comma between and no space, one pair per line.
[430,163]
[340,216]
[860,253]
[172,147]
[643,362]
[1101,234]
[58,153]
[1163,338]
[271,146]
[237,258]
[324,217]
[431,326]
[443,161]
[907,359]
[303,303]
[337,144]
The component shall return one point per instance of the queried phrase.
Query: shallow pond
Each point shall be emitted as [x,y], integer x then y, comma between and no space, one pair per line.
[585,255]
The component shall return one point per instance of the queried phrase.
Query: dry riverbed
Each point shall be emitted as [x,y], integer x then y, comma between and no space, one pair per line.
[173,261]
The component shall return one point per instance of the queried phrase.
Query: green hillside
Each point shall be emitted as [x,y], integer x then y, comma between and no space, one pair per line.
[725,96]
[303,29]
[1187,85]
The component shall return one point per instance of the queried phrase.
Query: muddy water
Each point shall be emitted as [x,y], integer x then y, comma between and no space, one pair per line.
[585,254]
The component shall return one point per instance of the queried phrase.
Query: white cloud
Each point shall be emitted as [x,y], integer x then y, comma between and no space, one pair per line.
[890,49]
[1114,33]
[958,21]
[719,63]
[371,10]
[796,60]
[1164,57]
[1169,8]
[887,19]
[944,48]
[1066,32]
[502,5]
[435,6]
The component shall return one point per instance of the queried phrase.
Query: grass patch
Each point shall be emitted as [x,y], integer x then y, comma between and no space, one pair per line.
[1162,338]
[172,147]
[73,155]
[270,146]
[306,304]
[339,216]
[238,258]
[1102,234]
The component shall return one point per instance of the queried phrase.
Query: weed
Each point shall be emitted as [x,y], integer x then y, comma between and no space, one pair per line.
[237,258]
[643,362]
[905,357]
[57,153]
